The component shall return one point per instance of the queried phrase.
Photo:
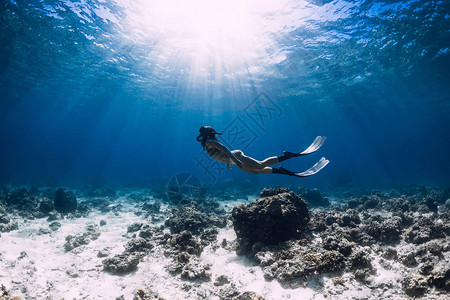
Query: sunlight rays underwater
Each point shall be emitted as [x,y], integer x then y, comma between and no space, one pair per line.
[180,62]
[217,48]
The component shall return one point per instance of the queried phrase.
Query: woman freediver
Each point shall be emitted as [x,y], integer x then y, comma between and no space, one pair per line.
[248,164]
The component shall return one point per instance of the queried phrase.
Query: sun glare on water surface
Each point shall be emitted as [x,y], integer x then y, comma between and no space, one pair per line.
[229,35]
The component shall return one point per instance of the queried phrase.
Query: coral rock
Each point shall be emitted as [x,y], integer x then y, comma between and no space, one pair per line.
[415,286]
[313,197]
[270,220]
[121,263]
[65,201]
[92,233]
[267,192]
[190,217]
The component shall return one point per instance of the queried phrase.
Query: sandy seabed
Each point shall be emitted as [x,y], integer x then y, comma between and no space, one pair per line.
[36,263]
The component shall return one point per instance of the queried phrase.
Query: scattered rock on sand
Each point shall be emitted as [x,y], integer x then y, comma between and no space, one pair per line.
[341,244]
[121,263]
[196,272]
[72,241]
[138,245]
[293,264]
[221,280]
[146,295]
[332,261]
[54,225]
[104,252]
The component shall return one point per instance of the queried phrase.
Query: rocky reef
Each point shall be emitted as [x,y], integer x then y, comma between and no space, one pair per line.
[295,245]
[269,220]
[192,226]
[300,239]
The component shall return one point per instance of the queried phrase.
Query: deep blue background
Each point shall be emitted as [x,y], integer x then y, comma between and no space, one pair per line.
[69,114]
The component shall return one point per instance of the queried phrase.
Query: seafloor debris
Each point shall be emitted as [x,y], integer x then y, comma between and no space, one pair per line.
[387,231]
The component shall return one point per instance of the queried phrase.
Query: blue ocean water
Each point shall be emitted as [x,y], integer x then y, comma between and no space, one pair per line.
[114,92]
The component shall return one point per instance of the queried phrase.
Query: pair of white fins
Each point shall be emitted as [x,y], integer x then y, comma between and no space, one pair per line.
[318,142]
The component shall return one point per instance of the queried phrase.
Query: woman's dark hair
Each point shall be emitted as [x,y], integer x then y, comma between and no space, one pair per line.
[206,132]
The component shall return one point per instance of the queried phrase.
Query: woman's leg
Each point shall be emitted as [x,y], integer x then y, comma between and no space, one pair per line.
[265,170]
[248,162]
[270,161]
[252,163]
